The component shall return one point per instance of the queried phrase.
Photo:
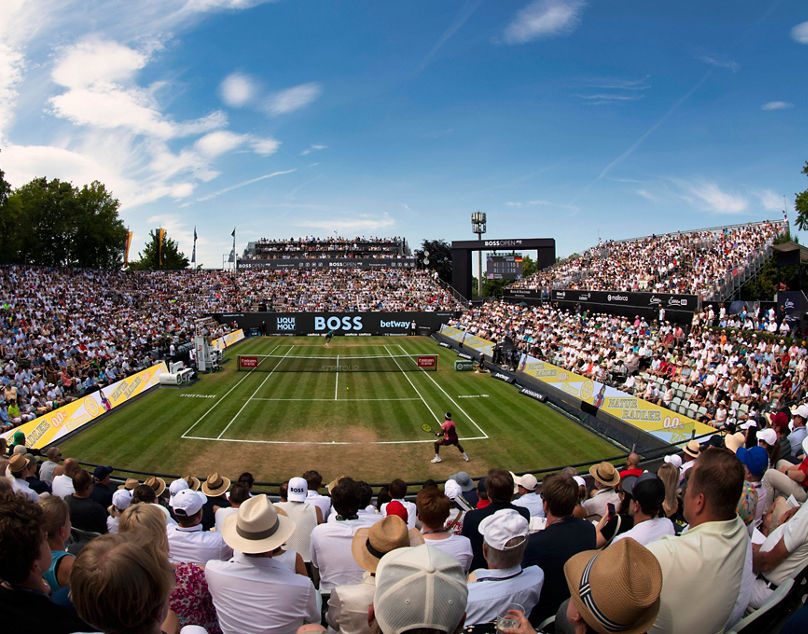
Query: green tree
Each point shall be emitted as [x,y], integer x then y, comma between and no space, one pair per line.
[173,258]
[440,258]
[801,205]
[529,266]
[101,237]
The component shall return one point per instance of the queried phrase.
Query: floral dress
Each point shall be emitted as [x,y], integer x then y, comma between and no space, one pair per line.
[191,599]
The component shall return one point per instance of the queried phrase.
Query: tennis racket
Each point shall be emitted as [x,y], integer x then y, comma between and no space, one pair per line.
[427,427]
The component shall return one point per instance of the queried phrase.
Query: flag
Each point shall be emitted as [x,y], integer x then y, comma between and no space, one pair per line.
[193,253]
[126,250]
[161,233]
[232,257]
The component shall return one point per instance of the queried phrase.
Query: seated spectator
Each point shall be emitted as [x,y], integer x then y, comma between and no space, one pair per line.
[499,489]
[755,462]
[528,497]
[19,468]
[467,487]
[85,513]
[314,481]
[215,488]
[606,479]
[121,500]
[36,485]
[562,537]
[187,541]
[238,495]
[56,521]
[305,516]
[708,559]
[421,589]
[63,477]
[24,559]
[398,491]
[104,575]
[632,466]
[787,480]
[505,538]
[433,510]
[669,474]
[252,591]
[647,496]
[348,605]
[102,489]
[797,435]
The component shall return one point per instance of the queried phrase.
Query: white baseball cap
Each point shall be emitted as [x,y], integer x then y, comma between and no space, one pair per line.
[527,481]
[675,460]
[297,490]
[500,529]
[187,503]
[419,587]
[452,489]
[768,435]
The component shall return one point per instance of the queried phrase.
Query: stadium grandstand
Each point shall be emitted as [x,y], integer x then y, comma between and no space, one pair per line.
[730,503]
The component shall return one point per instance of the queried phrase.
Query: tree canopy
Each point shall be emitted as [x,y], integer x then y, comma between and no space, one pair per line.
[172,257]
[801,205]
[440,258]
[53,223]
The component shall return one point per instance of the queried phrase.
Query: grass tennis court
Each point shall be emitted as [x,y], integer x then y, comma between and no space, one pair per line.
[277,423]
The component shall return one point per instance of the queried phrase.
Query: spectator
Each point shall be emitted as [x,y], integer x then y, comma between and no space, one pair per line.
[398,491]
[505,538]
[469,490]
[85,513]
[46,469]
[755,461]
[215,488]
[797,435]
[102,490]
[787,480]
[708,559]
[187,541]
[499,488]
[314,481]
[238,495]
[121,500]
[433,510]
[647,496]
[305,516]
[528,497]
[606,479]
[252,591]
[348,605]
[632,466]
[562,537]
[419,588]
[20,468]
[56,522]
[63,478]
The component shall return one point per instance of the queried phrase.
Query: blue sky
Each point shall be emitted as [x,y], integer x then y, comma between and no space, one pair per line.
[559,118]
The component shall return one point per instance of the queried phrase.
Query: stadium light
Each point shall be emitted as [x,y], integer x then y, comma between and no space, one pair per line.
[478,226]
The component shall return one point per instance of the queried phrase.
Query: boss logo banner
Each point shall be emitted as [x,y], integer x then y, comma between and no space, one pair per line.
[343,324]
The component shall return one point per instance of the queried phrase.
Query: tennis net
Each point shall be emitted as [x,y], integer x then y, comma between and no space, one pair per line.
[380,363]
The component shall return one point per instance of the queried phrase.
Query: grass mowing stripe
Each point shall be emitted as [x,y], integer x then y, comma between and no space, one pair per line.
[413,386]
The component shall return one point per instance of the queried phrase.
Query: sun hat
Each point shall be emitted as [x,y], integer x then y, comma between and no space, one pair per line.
[257,527]
[215,485]
[605,473]
[734,441]
[464,480]
[501,529]
[616,589]
[755,459]
[129,484]
[452,489]
[768,435]
[419,588]
[330,486]
[692,448]
[193,482]
[749,423]
[527,481]
[394,507]
[187,503]
[17,463]
[158,484]
[371,543]
[675,460]
[297,490]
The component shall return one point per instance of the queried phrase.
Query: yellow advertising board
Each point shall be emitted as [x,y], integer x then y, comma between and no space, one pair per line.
[227,340]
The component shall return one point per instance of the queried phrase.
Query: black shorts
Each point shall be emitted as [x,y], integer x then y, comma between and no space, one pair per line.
[444,441]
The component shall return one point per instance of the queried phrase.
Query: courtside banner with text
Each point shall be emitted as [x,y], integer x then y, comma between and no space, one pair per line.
[54,425]
[663,423]
[639,300]
[483,346]
[228,340]
[342,324]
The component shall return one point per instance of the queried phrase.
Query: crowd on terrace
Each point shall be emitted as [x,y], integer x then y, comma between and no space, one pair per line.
[694,262]
[308,247]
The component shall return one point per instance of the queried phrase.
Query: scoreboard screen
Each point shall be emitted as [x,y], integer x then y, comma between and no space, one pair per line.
[504,267]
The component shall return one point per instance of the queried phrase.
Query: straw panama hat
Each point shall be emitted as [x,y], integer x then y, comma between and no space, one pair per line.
[158,484]
[257,527]
[215,485]
[605,473]
[129,484]
[616,589]
[371,543]
[692,448]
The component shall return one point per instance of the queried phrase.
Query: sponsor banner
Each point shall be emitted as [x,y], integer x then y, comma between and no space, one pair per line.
[658,421]
[521,293]
[639,300]
[483,346]
[247,363]
[463,366]
[428,361]
[533,394]
[793,304]
[502,377]
[324,264]
[228,340]
[54,425]
[343,324]
[463,355]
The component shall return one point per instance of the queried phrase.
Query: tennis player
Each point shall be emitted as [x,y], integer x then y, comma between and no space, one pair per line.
[329,336]
[449,432]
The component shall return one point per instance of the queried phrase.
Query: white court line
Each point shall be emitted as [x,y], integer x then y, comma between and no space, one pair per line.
[199,420]
[253,394]
[344,400]
[450,398]
[336,379]
[327,442]
[437,420]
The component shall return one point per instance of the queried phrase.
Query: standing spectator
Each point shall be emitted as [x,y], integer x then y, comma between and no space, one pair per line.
[707,560]
[85,513]
[252,591]
[499,488]
[562,537]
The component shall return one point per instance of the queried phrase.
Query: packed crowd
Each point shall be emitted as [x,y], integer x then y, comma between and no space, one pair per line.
[695,262]
[326,248]
[734,374]
[722,520]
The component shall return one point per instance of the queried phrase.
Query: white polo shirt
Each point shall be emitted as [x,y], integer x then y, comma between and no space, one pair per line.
[195,546]
[495,589]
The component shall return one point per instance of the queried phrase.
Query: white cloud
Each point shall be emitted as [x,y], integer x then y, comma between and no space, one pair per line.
[644,193]
[94,60]
[244,184]
[313,148]
[769,200]
[358,223]
[543,18]
[776,105]
[294,98]
[265,147]
[721,63]
[800,33]
[711,197]
[219,142]
[237,90]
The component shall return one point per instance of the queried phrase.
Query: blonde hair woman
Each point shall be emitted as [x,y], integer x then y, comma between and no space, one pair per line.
[669,475]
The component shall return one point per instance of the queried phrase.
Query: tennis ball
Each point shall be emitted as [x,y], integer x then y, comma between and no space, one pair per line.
[347,388]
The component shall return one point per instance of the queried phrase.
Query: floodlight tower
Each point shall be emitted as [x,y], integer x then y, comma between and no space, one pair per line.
[478,227]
